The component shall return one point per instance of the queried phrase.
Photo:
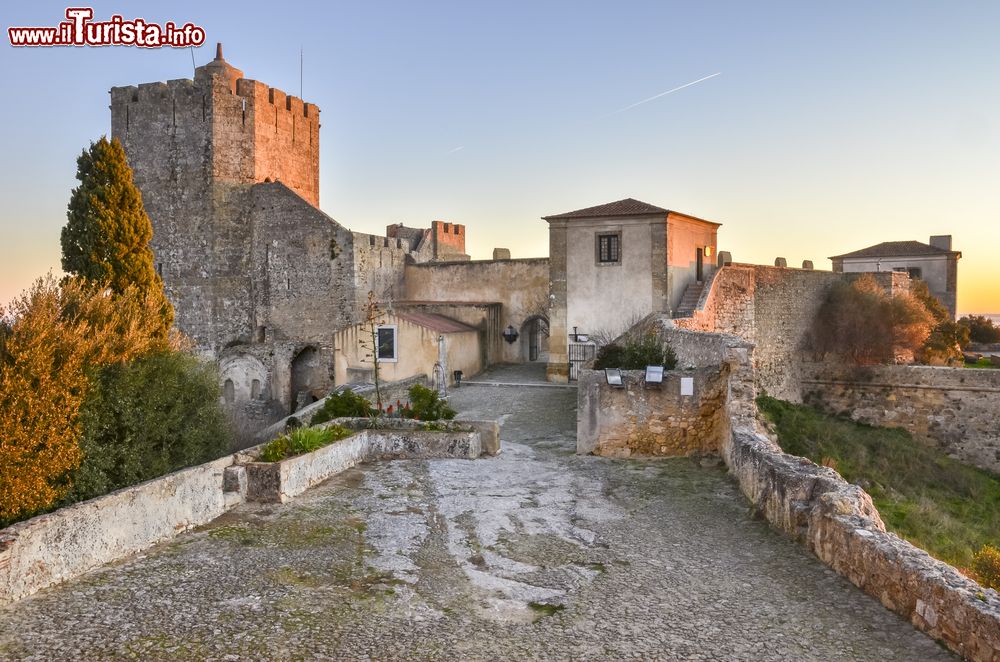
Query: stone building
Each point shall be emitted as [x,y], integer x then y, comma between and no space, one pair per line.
[261,279]
[935,263]
[612,264]
[259,276]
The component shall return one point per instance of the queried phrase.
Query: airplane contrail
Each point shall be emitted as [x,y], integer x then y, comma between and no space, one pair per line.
[452,151]
[661,94]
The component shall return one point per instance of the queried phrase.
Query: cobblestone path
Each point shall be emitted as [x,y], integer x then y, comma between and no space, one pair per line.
[536,554]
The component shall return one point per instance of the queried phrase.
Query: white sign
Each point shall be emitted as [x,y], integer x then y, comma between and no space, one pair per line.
[687,385]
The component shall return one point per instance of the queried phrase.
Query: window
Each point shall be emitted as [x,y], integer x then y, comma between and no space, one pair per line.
[609,248]
[386,350]
[915,272]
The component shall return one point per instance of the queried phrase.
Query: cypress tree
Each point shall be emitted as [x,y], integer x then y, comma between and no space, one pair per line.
[106,238]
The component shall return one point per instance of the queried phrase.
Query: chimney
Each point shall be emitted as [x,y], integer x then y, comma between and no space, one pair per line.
[942,241]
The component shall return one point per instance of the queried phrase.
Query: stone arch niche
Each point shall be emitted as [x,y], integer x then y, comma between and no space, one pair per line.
[238,374]
[534,338]
[306,378]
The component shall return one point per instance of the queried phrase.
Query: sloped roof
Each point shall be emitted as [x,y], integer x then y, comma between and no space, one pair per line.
[434,322]
[626,207]
[897,249]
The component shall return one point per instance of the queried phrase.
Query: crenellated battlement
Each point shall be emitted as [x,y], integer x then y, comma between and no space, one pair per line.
[254,132]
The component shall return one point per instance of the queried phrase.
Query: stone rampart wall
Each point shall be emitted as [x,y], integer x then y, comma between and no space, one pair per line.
[839,524]
[955,409]
[835,520]
[773,308]
[643,420]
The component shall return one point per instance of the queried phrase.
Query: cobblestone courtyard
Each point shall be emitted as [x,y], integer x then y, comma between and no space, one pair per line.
[535,554]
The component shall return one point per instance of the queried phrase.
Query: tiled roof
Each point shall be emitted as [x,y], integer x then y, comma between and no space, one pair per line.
[626,207]
[897,249]
[438,323]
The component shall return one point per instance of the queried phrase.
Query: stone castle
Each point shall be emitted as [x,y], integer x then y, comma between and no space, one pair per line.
[261,278]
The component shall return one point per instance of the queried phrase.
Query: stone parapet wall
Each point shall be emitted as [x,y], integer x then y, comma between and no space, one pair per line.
[645,420]
[954,409]
[838,521]
[52,548]
[839,524]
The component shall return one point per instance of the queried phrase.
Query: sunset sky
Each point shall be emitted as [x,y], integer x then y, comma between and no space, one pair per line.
[829,127]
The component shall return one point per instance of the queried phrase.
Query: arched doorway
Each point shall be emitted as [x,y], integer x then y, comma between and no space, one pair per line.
[535,339]
[306,378]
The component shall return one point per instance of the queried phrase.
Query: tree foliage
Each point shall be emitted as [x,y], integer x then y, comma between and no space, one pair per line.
[980,329]
[52,336]
[861,323]
[145,418]
[106,237]
[944,343]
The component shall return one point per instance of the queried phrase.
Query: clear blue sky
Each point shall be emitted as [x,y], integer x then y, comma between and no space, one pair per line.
[832,126]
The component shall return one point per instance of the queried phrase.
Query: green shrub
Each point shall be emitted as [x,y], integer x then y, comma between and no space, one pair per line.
[425,405]
[636,354]
[146,418]
[948,508]
[986,567]
[343,404]
[300,441]
[980,329]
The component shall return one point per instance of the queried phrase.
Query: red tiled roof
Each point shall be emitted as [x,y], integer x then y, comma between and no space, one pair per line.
[897,249]
[626,207]
[438,323]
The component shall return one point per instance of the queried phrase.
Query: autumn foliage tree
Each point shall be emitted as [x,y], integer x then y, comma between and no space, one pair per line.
[106,238]
[863,324]
[52,336]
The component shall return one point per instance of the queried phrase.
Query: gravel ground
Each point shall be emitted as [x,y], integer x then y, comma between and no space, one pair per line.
[534,554]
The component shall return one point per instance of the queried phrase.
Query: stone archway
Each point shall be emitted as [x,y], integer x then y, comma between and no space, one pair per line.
[306,378]
[534,335]
[244,378]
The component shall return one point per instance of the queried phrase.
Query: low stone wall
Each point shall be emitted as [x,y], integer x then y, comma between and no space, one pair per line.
[279,482]
[651,419]
[955,409]
[835,520]
[838,522]
[52,548]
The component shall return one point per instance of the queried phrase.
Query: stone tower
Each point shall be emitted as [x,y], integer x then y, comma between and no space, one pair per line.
[198,148]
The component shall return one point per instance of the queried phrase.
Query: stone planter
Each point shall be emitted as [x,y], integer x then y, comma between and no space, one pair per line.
[277,482]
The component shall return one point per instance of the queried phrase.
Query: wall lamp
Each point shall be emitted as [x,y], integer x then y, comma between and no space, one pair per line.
[510,334]
[654,374]
[614,377]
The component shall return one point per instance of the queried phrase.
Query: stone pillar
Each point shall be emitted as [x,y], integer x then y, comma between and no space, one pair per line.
[557,369]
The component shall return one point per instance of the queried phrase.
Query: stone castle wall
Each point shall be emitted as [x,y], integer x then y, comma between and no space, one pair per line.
[954,409]
[521,287]
[837,521]
[649,420]
[773,308]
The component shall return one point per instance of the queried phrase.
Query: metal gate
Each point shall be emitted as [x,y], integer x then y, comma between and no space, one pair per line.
[579,353]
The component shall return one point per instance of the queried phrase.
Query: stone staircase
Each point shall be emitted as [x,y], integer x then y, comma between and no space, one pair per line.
[689,302]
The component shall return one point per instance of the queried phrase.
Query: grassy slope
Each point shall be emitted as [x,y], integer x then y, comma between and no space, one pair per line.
[945,507]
